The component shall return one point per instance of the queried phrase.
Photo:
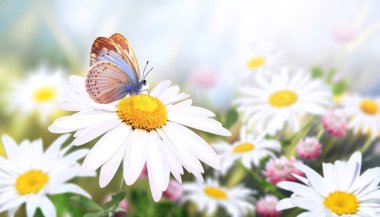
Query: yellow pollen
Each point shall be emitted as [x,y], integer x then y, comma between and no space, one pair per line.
[255,62]
[244,147]
[31,182]
[215,193]
[341,203]
[44,94]
[370,107]
[283,98]
[142,112]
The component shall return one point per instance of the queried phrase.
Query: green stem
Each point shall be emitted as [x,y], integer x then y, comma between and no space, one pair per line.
[121,189]
[320,131]
[298,136]
[122,185]
[329,146]
[262,182]
[366,145]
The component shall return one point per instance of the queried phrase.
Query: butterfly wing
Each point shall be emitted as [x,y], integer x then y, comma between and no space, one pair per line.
[106,82]
[102,45]
[129,53]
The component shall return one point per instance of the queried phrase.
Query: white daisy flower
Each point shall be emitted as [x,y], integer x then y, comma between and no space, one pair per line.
[250,149]
[282,98]
[28,175]
[208,196]
[39,93]
[342,191]
[263,57]
[363,114]
[141,129]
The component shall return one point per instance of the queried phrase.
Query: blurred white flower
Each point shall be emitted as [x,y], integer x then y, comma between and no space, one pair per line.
[342,191]
[40,93]
[141,129]
[262,58]
[281,98]
[208,196]
[363,114]
[29,174]
[250,149]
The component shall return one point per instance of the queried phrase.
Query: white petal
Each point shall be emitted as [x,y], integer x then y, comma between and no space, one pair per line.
[55,147]
[200,123]
[135,156]
[201,148]
[107,146]
[31,206]
[188,159]
[87,134]
[47,207]
[10,147]
[169,94]
[190,110]
[158,170]
[79,121]
[69,188]
[284,204]
[315,180]
[108,170]
[160,88]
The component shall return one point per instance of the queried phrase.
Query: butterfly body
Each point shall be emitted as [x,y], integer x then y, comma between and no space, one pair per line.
[134,89]
[114,71]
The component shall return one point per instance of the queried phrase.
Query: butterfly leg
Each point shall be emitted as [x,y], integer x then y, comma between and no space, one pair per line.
[147,90]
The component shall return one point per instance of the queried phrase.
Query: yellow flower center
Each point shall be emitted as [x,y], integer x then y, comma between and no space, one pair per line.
[142,112]
[370,107]
[215,193]
[283,98]
[342,203]
[255,62]
[44,94]
[244,147]
[31,182]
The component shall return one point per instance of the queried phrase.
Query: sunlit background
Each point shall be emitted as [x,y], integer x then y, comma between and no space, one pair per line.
[202,45]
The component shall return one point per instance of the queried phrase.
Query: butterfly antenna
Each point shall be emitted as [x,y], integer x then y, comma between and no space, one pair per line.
[147,62]
[148,72]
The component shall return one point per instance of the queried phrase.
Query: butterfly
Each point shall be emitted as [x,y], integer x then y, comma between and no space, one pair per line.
[114,70]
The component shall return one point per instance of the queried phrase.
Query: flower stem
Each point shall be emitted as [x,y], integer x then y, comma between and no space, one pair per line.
[122,184]
[367,144]
[262,182]
[298,136]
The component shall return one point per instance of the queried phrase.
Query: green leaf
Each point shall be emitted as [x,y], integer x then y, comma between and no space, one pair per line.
[218,117]
[139,200]
[180,211]
[339,88]
[316,72]
[96,214]
[285,143]
[62,204]
[38,213]
[163,208]
[87,203]
[330,75]
[116,198]
[231,118]
[263,161]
